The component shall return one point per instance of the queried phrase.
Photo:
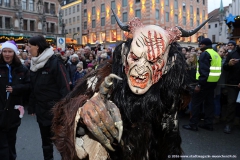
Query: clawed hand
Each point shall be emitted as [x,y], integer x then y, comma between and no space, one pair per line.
[102,117]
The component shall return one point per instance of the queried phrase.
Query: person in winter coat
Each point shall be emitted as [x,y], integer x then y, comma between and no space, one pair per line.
[80,73]
[71,68]
[14,81]
[50,84]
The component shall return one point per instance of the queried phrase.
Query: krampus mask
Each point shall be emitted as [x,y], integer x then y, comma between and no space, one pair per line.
[146,62]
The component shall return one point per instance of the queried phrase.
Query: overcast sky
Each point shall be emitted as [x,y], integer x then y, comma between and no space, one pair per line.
[213,4]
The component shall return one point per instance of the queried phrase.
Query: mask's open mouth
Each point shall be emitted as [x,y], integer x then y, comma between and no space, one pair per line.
[140,81]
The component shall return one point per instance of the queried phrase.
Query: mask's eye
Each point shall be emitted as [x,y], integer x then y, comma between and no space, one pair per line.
[134,57]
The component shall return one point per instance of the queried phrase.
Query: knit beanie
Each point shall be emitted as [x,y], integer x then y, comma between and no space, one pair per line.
[90,65]
[80,64]
[232,42]
[12,45]
[206,41]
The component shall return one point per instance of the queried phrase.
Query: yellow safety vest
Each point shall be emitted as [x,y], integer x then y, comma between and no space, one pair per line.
[215,67]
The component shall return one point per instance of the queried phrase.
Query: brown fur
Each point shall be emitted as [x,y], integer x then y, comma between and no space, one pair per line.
[65,112]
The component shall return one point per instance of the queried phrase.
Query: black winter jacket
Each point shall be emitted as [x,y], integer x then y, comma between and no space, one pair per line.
[20,84]
[233,71]
[204,68]
[49,85]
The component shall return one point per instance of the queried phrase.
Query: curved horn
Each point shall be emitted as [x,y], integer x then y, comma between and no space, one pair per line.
[192,32]
[120,24]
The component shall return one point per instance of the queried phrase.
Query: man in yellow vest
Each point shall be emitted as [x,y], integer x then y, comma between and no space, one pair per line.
[207,75]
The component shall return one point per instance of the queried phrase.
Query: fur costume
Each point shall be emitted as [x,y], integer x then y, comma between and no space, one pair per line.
[149,117]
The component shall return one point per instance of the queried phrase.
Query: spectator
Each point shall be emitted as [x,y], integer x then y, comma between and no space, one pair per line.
[90,68]
[232,66]
[14,82]
[219,88]
[109,52]
[87,51]
[49,85]
[208,73]
[80,73]
[72,67]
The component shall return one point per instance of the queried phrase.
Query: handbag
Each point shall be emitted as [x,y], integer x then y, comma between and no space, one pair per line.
[238,97]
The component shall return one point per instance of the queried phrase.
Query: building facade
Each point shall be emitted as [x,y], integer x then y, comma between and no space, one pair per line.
[98,22]
[218,29]
[22,19]
[72,20]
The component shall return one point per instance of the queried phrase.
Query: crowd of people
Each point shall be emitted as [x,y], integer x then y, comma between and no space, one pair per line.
[50,74]
[45,75]
[214,74]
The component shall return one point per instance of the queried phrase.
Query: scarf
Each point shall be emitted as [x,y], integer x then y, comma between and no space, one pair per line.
[41,60]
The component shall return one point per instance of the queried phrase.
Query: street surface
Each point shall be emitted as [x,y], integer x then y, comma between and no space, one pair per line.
[202,144]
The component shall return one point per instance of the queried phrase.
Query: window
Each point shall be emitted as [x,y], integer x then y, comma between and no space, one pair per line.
[197,22]
[24,4]
[175,4]
[85,12]
[197,11]
[78,29]
[32,26]
[216,25]
[124,3]
[102,8]
[167,16]
[176,19]
[209,26]
[77,8]
[7,3]
[74,30]
[213,38]
[85,1]
[93,0]
[191,22]
[69,11]
[70,30]
[73,9]
[93,11]
[46,7]
[197,1]
[0,2]
[74,20]
[52,28]
[157,14]
[203,2]
[113,21]
[125,17]
[7,22]
[70,21]
[93,23]
[103,21]
[25,24]
[52,9]
[65,12]
[191,9]
[203,13]
[137,1]
[113,5]
[66,22]
[138,13]
[85,25]
[31,5]
[166,2]
[1,25]
[157,1]
[184,20]
[184,7]
[78,18]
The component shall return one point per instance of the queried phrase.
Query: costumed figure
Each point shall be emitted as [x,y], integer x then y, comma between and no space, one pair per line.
[127,108]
